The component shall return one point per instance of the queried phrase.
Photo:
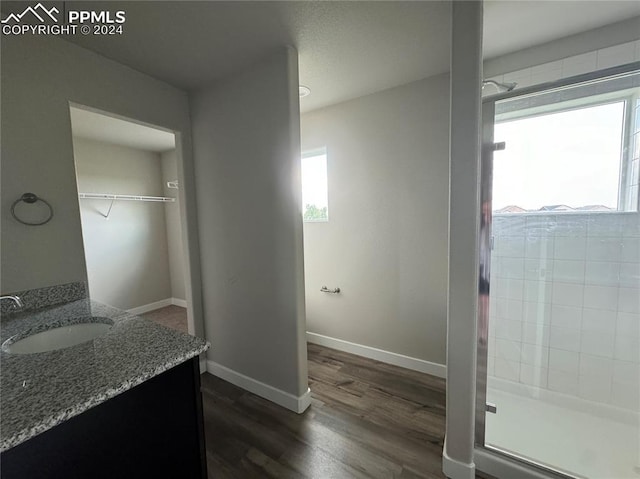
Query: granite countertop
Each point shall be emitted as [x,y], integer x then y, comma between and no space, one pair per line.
[40,391]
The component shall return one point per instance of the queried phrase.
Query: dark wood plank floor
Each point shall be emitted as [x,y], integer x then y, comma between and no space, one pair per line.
[367,420]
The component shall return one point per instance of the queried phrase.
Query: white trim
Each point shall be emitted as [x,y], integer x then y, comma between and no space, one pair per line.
[501,466]
[179,302]
[455,469]
[289,401]
[420,365]
[145,308]
[567,401]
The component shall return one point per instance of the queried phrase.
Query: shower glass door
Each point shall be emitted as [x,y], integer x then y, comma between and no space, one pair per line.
[559,334]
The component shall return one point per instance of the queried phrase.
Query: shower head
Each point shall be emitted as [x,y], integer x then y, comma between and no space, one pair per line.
[502,87]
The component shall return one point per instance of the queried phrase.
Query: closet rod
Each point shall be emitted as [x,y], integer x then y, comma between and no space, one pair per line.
[107,196]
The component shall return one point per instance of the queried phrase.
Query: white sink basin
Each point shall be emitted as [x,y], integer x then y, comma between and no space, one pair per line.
[57,338]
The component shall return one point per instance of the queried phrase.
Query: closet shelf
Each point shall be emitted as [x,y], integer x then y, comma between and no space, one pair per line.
[107,196]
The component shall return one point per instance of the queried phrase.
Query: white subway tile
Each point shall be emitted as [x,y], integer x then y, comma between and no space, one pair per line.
[537,291]
[492,326]
[491,365]
[539,247]
[626,396]
[538,269]
[561,360]
[628,325]
[507,369]
[631,225]
[630,250]
[579,64]
[603,273]
[603,249]
[599,321]
[535,334]
[630,275]
[546,72]
[534,312]
[506,349]
[563,382]
[570,248]
[508,288]
[608,225]
[534,354]
[512,246]
[507,329]
[601,297]
[571,226]
[512,268]
[521,77]
[595,388]
[507,309]
[637,50]
[541,226]
[597,344]
[509,225]
[533,375]
[626,372]
[629,300]
[616,55]
[564,338]
[568,271]
[596,366]
[627,348]
[566,316]
[568,294]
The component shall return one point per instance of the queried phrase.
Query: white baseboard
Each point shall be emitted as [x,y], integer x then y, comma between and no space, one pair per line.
[145,308]
[282,398]
[455,469]
[420,365]
[179,302]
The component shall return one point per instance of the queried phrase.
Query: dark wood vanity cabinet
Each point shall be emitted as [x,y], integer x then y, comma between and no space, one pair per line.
[154,430]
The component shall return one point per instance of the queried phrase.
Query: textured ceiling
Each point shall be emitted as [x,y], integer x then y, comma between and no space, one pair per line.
[346,49]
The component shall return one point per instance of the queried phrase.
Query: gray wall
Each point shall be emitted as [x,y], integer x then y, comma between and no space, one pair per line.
[131,245]
[40,76]
[385,244]
[247,155]
[174,228]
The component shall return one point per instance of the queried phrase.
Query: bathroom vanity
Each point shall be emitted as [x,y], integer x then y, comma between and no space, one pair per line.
[125,404]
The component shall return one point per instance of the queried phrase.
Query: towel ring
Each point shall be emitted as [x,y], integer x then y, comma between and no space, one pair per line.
[31,198]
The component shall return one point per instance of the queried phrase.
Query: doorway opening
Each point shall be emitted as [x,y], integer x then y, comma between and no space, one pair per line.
[128,176]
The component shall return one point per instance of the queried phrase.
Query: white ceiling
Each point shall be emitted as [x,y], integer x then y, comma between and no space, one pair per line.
[95,126]
[346,49]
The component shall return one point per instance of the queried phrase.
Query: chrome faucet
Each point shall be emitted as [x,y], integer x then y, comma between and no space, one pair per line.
[18,304]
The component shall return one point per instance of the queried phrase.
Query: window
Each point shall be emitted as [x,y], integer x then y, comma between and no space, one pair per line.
[315,203]
[567,151]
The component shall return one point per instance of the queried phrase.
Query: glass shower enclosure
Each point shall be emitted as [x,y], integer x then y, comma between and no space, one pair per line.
[559,293]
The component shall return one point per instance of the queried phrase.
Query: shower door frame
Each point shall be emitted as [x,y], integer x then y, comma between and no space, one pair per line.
[484,238]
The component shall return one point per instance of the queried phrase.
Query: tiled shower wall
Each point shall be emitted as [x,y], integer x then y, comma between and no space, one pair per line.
[565,304]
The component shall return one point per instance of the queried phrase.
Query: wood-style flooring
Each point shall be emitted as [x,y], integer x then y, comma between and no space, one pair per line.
[174,317]
[367,420]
